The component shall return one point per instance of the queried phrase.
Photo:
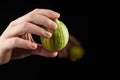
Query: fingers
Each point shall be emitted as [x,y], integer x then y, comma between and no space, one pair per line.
[16,42]
[31,22]
[41,51]
[37,49]
[40,17]
[27,27]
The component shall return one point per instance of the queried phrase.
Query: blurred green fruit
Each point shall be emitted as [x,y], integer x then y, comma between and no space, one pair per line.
[76,52]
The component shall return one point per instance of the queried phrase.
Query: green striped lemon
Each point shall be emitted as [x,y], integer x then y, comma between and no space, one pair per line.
[59,39]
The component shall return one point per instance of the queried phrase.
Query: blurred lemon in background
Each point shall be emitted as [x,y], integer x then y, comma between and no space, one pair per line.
[76,53]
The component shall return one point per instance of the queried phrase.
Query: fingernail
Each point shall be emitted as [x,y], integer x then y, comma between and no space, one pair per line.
[48,34]
[58,15]
[33,46]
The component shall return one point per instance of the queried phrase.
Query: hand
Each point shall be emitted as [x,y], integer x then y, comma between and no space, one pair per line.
[16,41]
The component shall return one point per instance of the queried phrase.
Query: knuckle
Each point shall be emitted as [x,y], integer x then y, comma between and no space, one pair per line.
[12,23]
[24,25]
[47,22]
[33,12]
[36,10]
[30,16]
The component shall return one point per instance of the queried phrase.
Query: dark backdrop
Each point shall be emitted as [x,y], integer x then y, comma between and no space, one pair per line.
[34,66]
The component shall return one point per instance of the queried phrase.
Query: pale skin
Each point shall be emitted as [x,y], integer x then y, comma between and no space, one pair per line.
[16,41]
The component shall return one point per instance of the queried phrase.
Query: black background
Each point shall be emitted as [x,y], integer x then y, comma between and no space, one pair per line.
[73,14]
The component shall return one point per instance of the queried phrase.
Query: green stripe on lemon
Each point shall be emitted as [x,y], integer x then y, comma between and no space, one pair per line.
[59,38]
